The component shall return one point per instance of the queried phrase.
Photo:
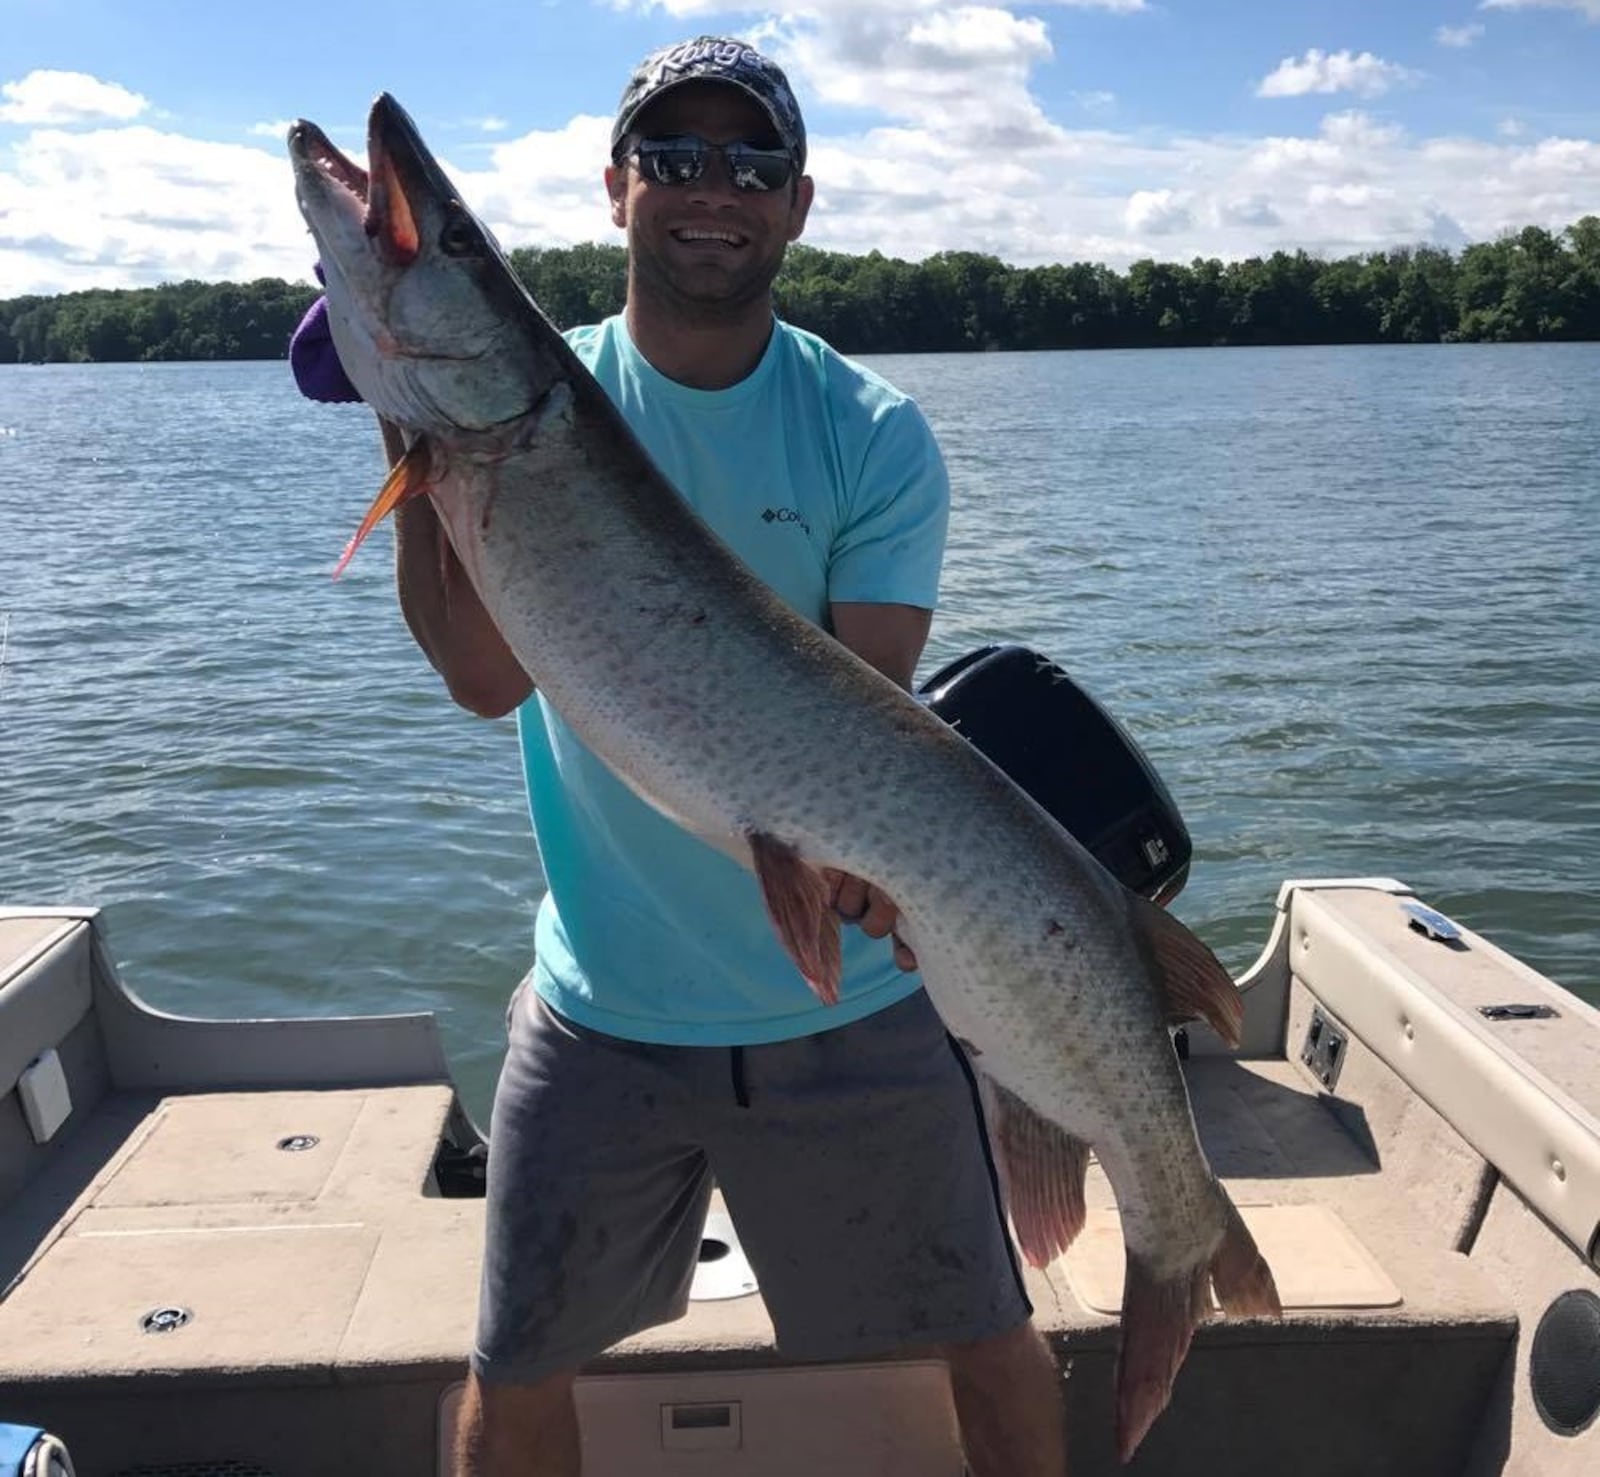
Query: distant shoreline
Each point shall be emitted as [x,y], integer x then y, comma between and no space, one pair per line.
[1531,286]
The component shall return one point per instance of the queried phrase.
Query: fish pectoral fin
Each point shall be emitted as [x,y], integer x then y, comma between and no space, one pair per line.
[408,478]
[1194,984]
[799,902]
[1042,1169]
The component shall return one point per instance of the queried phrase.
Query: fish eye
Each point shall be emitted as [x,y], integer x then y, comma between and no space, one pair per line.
[458,237]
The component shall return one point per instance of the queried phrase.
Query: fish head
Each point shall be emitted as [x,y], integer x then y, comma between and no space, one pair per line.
[430,322]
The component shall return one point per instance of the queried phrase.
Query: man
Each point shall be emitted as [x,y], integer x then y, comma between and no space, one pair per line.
[667,1038]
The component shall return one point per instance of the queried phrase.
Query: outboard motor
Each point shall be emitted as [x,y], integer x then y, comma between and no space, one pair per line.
[1055,741]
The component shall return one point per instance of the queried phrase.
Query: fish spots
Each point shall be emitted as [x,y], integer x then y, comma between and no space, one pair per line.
[1057,931]
[673,614]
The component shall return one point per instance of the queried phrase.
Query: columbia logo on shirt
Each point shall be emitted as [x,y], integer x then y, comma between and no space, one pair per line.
[785,515]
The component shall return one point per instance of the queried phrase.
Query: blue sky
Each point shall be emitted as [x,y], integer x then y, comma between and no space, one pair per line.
[141,139]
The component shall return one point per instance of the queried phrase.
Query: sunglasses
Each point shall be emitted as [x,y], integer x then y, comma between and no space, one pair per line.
[680,159]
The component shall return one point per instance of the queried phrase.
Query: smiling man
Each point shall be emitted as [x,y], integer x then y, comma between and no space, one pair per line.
[664,1039]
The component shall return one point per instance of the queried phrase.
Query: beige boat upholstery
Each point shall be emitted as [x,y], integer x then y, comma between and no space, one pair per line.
[1491,1126]
[330,1287]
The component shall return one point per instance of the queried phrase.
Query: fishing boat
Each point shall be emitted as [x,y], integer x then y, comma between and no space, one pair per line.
[250,1248]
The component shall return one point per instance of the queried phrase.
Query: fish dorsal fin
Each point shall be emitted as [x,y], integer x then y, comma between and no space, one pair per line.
[1192,980]
[1042,1169]
[800,904]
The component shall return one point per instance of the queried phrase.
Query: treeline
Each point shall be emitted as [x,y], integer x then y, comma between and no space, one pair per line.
[1532,285]
[178,320]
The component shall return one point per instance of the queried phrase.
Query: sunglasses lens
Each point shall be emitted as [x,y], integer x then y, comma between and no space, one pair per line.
[681,160]
[672,161]
[758,169]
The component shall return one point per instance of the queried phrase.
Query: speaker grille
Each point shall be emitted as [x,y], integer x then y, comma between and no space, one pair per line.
[1564,1366]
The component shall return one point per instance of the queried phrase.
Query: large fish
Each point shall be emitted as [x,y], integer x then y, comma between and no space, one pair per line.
[754,729]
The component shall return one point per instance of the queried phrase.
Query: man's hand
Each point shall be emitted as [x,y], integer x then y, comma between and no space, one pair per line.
[861,903]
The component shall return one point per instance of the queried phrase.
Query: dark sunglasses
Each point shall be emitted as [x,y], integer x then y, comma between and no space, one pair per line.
[680,159]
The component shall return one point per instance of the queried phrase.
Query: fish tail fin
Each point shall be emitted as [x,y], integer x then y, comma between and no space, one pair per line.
[1159,1314]
[1161,1311]
[1192,980]
[1042,1169]
[800,905]
[1239,1273]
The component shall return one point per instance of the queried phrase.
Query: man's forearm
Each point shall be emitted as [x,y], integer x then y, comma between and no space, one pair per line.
[443,612]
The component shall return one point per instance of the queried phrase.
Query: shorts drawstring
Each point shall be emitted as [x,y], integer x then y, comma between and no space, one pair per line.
[741,1093]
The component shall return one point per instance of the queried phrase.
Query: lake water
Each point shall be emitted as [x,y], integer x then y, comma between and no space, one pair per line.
[1345,599]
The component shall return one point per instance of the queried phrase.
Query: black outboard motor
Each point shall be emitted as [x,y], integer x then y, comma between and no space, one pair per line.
[1074,758]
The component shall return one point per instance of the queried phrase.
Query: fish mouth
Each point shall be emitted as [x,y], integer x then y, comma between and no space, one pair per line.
[399,170]
[312,149]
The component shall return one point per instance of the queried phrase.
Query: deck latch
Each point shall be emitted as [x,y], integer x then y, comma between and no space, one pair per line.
[1324,1048]
[1518,1012]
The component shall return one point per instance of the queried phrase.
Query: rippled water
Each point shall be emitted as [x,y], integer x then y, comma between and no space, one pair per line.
[1342,596]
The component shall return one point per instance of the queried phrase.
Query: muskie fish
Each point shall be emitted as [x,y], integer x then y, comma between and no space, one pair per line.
[746,724]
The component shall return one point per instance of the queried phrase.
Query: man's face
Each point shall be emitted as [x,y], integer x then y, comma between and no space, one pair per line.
[706,245]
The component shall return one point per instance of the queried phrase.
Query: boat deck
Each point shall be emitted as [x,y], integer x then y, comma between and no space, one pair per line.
[276,1187]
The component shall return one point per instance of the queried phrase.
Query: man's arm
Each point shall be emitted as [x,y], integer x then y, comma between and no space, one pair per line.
[890,638]
[444,613]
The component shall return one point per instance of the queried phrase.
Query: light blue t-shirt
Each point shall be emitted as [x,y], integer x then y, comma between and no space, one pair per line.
[827,482]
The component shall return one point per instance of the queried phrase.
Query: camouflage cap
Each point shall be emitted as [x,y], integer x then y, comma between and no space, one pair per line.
[714,59]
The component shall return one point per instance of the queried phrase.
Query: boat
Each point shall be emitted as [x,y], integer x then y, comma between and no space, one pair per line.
[251,1247]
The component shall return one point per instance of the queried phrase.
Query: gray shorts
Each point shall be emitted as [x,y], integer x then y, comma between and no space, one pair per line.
[853,1162]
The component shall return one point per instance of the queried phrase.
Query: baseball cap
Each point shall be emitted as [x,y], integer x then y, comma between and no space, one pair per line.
[714,59]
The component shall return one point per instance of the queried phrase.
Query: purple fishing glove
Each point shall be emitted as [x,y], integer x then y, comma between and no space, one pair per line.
[313,358]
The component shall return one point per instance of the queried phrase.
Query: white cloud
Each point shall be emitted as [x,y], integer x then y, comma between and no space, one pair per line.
[1511,128]
[1459,37]
[278,129]
[1588,8]
[1095,102]
[545,186]
[46,98]
[1337,71]
[491,124]
[132,206]
[1157,212]
[965,69]
[974,36]
[1255,210]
